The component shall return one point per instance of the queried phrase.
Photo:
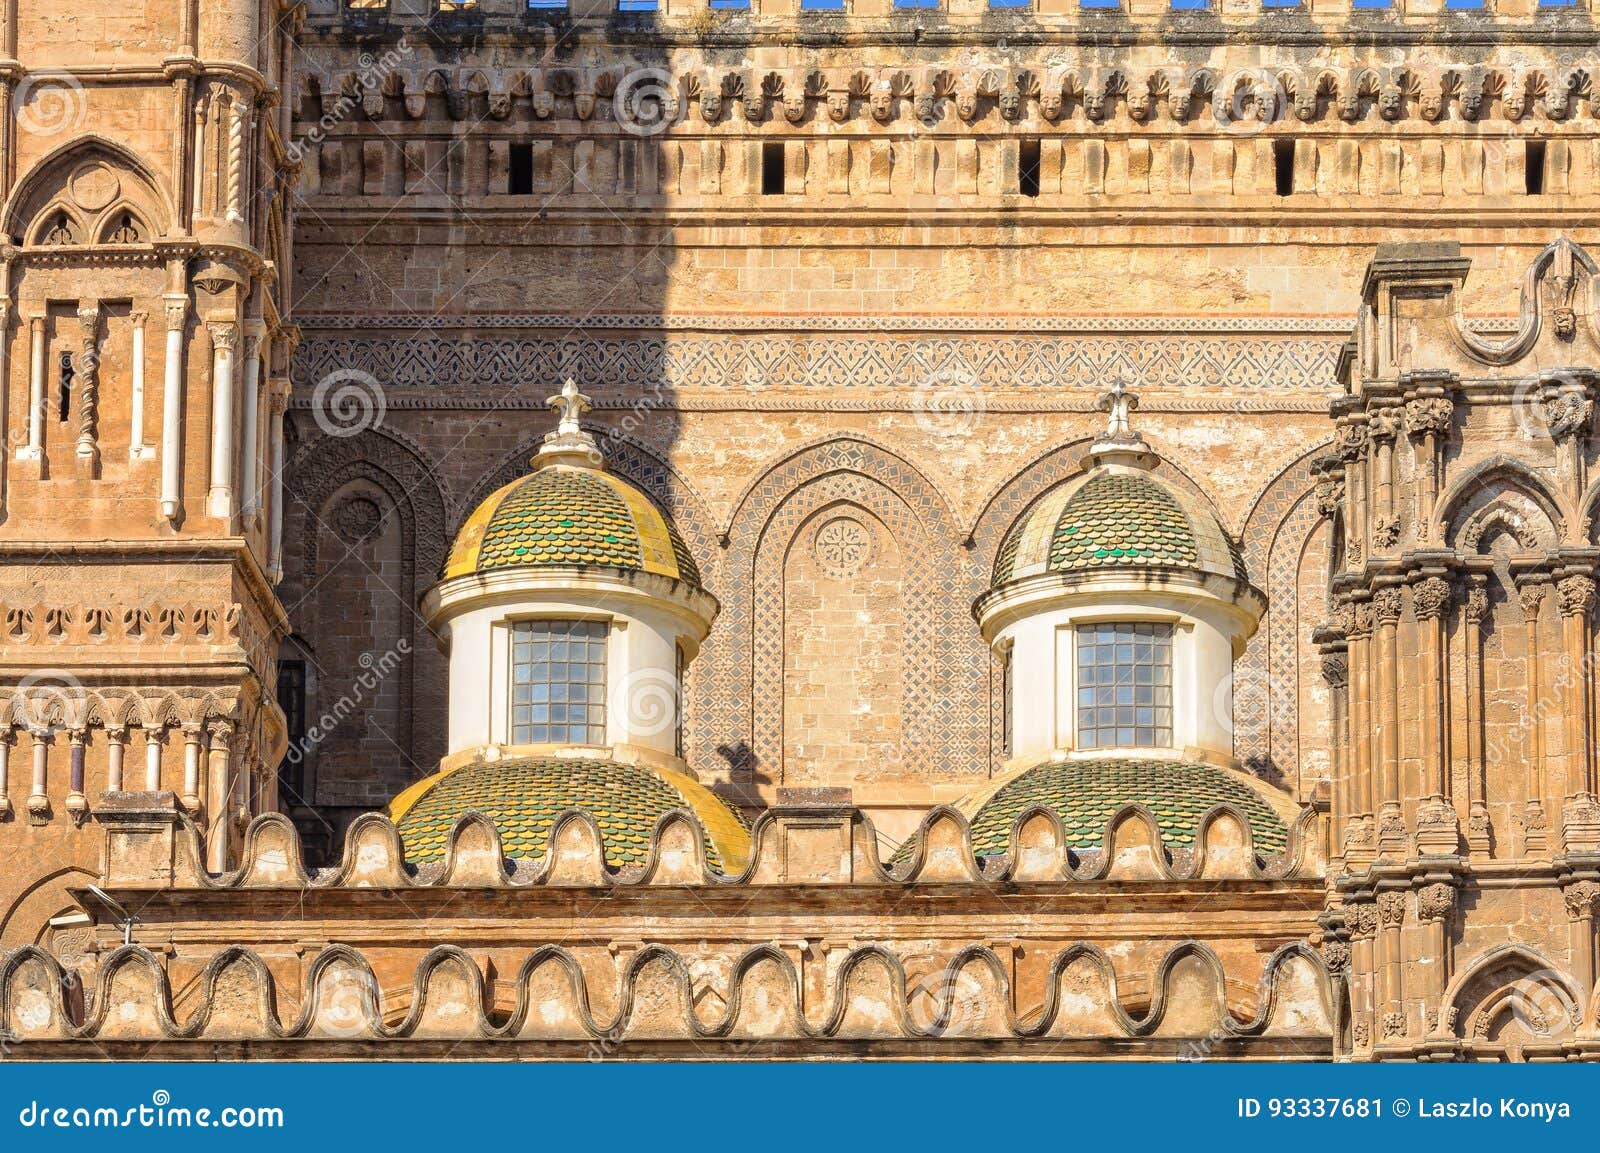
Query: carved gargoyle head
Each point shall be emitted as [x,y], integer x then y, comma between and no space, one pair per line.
[1010,102]
[1389,97]
[838,104]
[881,100]
[1051,103]
[794,104]
[711,106]
[583,104]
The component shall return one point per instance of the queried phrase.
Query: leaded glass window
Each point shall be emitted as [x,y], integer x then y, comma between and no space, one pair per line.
[1124,685]
[558,682]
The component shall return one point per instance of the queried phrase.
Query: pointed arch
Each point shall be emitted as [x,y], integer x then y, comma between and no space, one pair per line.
[1501,490]
[1511,980]
[49,178]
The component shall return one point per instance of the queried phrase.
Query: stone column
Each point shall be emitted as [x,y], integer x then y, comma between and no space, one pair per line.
[191,767]
[34,449]
[1535,822]
[177,309]
[116,747]
[1435,903]
[1581,899]
[1360,842]
[1351,447]
[39,798]
[1475,607]
[154,737]
[1581,813]
[1364,972]
[219,789]
[1391,963]
[7,737]
[1383,425]
[1336,672]
[248,471]
[1438,831]
[136,448]
[278,404]
[1428,422]
[89,390]
[77,803]
[1386,606]
[224,338]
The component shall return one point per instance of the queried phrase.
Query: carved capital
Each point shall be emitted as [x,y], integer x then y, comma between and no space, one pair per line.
[1386,605]
[224,335]
[139,317]
[1566,413]
[1531,594]
[1582,899]
[1361,619]
[1392,909]
[1576,595]
[1383,423]
[1351,442]
[1364,919]
[177,312]
[1429,414]
[1434,902]
[1431,597]
[89,322]
[1336,670]
[1476,603]
[1336,954]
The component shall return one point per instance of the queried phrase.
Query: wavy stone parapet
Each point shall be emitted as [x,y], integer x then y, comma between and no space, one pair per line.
[237,1008]
[790,845]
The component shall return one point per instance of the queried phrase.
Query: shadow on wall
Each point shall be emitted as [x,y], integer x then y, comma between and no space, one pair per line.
[437,196]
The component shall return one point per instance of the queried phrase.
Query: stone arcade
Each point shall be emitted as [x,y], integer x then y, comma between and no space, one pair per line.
[1064,531]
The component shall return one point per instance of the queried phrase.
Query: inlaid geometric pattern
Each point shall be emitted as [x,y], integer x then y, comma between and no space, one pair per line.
[524,796]
[1085,794]
[740,697]
[472,363]
[1266,734]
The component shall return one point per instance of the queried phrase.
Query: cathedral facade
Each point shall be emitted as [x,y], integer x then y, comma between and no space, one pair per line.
[799,528]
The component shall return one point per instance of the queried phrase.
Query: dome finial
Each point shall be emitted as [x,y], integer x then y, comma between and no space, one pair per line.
[569,444]
[1120,443]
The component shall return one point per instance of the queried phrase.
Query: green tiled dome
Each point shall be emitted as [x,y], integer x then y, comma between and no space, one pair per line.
[1084,794]
[562,515]
[524,796]
[1115,520]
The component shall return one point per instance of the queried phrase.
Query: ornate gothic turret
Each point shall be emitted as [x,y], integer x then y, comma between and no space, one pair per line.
[1460,658]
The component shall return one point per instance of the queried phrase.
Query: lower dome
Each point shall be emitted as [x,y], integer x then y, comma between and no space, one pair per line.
[523,796]
[1085,795]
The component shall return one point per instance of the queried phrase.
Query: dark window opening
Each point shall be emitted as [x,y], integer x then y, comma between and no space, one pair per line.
[772,168]
[64,399]
[1028,168]
[1283,166]
[519,175]
[1533,168]
[1007,706]
[292,700]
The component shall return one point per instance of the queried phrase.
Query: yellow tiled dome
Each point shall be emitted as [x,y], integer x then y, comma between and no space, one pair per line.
[523,796]
[568,515]
[1116,520]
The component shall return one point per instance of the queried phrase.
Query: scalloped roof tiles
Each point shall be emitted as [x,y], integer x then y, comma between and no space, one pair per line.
[524,796]
[563,515]
[1085,794]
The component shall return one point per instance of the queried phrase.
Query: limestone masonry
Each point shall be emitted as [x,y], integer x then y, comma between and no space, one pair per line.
[799,529]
